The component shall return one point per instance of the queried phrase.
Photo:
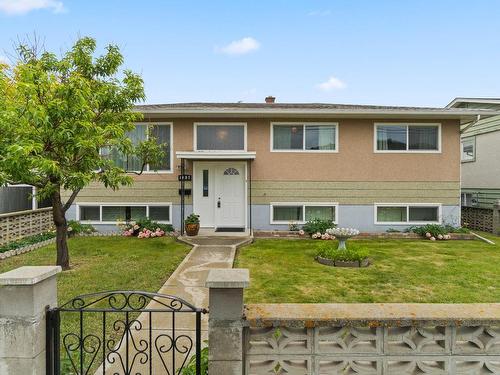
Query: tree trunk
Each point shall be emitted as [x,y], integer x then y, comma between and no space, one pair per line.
[61,230]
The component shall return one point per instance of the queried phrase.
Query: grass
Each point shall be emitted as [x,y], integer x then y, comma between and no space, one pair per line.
[283,270]
[105,263]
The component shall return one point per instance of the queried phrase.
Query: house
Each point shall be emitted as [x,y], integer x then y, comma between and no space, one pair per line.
[480,154]
[263,166]
[15,198]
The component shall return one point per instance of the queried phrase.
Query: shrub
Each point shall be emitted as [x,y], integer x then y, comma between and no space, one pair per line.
[393,230]
[27,241]
[75,227]
[146,228]
[317,226]
[153,225]
[192,219]
[436,230]
[354,253]
[190,368]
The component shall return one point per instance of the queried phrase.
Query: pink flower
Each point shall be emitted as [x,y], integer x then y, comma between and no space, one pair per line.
[135,227]
[440,236]
[428,235]
[140,235]
[432,238]
[147,235]
[158,229]
[162,233]
[301,232]
[314,236]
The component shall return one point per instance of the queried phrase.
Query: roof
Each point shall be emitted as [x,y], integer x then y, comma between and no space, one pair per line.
[457,102]
[310,110]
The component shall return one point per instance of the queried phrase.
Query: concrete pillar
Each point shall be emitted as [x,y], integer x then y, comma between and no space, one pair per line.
[25,294]
[496,218]
[225,324]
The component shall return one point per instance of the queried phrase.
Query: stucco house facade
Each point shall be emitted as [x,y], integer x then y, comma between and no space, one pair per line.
[262,166]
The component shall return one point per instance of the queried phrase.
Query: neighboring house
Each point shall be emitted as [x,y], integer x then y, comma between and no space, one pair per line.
[264,166]
[480,154]
[16,198]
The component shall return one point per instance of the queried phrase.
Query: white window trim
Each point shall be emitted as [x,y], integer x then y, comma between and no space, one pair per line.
[466,139]
[407,205]
[205,123]
[101,204]
[336,124]
[303,204]
[407,151]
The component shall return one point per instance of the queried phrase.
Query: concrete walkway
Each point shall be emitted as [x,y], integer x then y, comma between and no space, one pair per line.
[187,283]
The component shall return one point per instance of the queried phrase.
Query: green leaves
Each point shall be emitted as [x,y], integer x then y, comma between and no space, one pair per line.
[57,114]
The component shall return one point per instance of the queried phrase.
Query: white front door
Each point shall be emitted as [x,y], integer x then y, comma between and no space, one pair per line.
[219,194]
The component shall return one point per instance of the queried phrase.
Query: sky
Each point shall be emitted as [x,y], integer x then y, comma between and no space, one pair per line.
[385,52]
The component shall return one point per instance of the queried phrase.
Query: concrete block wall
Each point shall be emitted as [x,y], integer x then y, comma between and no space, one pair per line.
[25,294]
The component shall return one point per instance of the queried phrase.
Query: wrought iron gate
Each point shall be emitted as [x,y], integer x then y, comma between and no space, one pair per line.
[123,333]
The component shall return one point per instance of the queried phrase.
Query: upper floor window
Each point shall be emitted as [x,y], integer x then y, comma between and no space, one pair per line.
[163,135]
[469,149]
[312,137]
[395,137]
[220,137]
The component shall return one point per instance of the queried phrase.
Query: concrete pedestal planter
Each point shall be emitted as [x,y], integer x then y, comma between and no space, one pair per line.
[341,263]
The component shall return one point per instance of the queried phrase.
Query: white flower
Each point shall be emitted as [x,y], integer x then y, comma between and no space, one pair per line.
[342,232]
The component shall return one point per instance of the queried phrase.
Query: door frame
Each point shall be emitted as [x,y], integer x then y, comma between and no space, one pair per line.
[244,163]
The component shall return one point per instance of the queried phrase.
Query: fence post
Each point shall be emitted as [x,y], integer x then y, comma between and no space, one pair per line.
[225,324]
[25,293]
[496,217]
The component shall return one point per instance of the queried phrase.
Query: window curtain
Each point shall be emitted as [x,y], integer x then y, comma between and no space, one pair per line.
[288,137]
[220,137]
[287,213]
[423,138]
[391,214]
[391,137]
[320,137]
[162,135]
[320,212]
[128,162]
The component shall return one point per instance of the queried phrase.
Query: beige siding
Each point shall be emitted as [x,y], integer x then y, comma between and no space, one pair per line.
[264,192]
[141,191]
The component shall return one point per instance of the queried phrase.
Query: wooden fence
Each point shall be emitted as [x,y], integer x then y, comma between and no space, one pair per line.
[16,225]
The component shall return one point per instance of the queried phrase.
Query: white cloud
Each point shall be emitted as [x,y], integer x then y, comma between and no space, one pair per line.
[240,47]
[320,13]
[333,83]
[14,7]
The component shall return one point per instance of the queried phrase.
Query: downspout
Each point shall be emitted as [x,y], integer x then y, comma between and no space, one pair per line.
[250,192]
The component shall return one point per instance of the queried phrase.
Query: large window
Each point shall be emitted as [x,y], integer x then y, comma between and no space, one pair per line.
[284,213]
[304,137]
[407,137]
[220,137]
[407,213]
[469,149]
[112,213]
[163,135]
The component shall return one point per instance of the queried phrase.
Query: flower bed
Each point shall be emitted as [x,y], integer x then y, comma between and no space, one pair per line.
[26,244]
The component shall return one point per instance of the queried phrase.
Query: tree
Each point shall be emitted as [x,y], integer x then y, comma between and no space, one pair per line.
[56,117]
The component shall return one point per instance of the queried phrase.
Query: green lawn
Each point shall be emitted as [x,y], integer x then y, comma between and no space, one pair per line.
[284,270]
[105,263]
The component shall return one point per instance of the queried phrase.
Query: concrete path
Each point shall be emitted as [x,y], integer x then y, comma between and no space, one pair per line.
[187,283]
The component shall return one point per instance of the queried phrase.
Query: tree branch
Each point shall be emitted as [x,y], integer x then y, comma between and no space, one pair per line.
[70,200]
